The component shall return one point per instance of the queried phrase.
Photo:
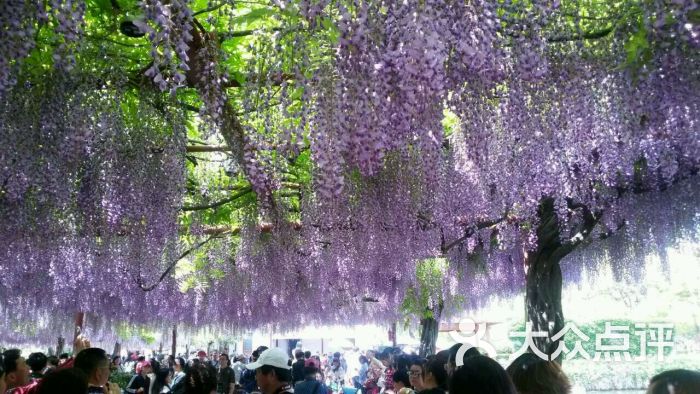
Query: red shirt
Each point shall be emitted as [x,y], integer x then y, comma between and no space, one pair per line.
[31,388]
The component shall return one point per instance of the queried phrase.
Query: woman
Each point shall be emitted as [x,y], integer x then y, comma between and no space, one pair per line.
[415,374]
[675,381]
[361,378]
[531,374]
[116,365]
[200,379]
[336,375]
[386,360]
[481,375]
[402,383]
[140,382]
[179,368]
[162,381]
[374,373]
[434,377]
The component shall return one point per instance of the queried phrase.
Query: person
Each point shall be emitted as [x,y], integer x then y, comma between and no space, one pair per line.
[63,358]
[3,386]
[64,381]
[361,378]
[225,376]
[155,366]
[531,374]
[451,364]
[248,376]
[80,343]
[179,368]
[402,362]
[202,356]
[116,365]
[374,373]
[140,383]
[51,364]
[95,363]
[298,367]
[311,384]
[402,384]
[336,375]
[238,367]
[200,379]
[16,369]
[214,359]
[161,382]
[272,372]
[415,373]
[37,363]
[385,358]
[481,375]
[434,376]
[675,381]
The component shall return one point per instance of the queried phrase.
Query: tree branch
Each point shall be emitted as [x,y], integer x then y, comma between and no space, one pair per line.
[445,247]
[208,148]
[594,35]
[139,280]
[210,9]
[244,33]
[219,203]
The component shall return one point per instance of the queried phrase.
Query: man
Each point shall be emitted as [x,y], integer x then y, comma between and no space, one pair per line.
[16,370]
[272,372]
[247,380]
[225,376]
[238,367]
[94,362]
[202,356]
[214,359]
[298,367]
[310,384]
[37,363]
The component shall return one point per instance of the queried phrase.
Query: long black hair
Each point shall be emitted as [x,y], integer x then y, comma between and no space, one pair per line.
[161,379]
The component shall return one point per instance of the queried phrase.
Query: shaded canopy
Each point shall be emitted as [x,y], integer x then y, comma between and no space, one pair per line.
[359,137]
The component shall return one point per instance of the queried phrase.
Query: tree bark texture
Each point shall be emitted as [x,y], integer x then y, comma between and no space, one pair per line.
[544,280]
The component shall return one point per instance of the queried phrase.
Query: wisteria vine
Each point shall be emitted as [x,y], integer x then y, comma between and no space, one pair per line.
[93,173]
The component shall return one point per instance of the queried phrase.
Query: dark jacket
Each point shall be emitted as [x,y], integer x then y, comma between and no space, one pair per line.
[298,370]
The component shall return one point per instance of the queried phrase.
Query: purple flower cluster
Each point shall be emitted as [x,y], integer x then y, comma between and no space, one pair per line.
[168,27]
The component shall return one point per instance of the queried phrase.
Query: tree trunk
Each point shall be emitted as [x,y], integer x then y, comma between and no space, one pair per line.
[428,336]
[173,348]
[60,345]
[79,323]
[543,298]
[117,349]
[429,331]
[544,281]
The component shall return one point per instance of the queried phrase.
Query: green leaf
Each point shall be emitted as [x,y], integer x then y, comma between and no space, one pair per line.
[253,16]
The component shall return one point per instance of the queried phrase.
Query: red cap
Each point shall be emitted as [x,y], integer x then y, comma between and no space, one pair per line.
[201,353]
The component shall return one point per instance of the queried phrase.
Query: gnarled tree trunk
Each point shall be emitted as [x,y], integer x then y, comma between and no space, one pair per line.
[429,328]
[544,280]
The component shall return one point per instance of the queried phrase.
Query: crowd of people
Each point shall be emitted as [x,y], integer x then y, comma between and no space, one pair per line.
[273,371]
